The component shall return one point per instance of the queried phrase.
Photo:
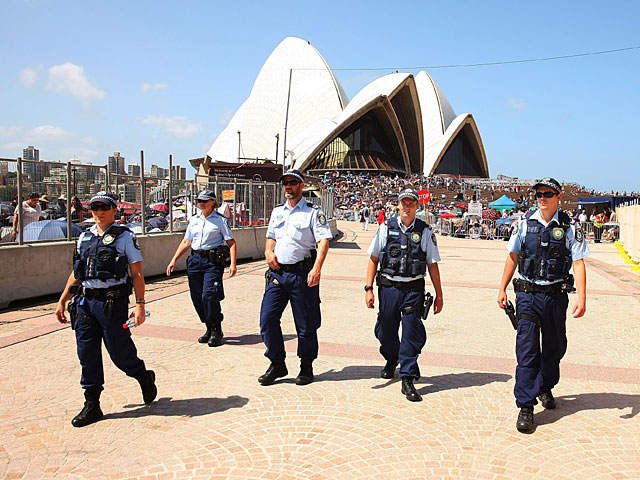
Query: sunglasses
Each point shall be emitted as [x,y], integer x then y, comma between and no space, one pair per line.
[290,182]
[100,207]
[545,194]
[202,201]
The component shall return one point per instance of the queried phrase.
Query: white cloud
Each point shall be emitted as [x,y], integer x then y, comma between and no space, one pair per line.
[47,132]
[179,126]
[29,75]
[82,154]
[10,131]
[516,103]
[150,87]
[72,80]
[13,146]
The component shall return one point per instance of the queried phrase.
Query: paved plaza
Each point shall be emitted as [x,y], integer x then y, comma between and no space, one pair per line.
[212,419]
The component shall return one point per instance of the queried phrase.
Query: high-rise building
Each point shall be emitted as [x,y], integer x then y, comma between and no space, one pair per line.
[127,192]
[34,171]
[159,172]
[4,168]
[116,164]
[179,173]
[133,169]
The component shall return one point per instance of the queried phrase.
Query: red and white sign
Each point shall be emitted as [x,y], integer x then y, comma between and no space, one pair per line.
[424,195]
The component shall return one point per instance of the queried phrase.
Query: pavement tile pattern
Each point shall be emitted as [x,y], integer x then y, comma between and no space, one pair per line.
[213,420]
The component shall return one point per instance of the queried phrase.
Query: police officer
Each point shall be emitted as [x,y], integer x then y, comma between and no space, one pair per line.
[543,245]
[212,249]
[295,228]
[103,257]
[404,247]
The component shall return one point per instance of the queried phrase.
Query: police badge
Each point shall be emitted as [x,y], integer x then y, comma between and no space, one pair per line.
[322,220]
[415,237]
[108,239]
[557,233]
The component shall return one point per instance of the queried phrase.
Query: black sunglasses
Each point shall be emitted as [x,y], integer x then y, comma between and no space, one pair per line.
[545,194]
[290,182]
[97,207]
[201,201]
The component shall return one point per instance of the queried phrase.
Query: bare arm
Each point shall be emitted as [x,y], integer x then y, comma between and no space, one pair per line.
[434,275]
[185,244]
[233,249]
[313,278]
[580,272]
[138,287]
[64,298]
[372,266]
[509,269]
[272,260]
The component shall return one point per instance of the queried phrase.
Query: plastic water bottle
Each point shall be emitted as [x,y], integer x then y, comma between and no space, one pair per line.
[131,322]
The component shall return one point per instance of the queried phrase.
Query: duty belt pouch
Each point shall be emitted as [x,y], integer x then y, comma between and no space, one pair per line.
[221,255]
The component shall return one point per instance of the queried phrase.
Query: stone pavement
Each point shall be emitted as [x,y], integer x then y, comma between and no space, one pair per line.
[213,420]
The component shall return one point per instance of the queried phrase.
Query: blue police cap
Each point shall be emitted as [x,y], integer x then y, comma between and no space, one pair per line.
[106,198]
[206,195]
[409,193]
[293,173]
[548,182]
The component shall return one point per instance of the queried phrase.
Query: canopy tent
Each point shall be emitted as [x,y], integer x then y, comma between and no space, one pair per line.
[611,201]
[503,203]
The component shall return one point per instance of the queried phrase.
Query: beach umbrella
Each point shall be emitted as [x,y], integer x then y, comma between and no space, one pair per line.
[49,230]
[448,215]
[6,209]
[158,222]
[161,207]
[135,227]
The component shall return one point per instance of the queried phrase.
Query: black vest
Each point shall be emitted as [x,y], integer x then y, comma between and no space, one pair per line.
[402,255]
[97,257]
[544,254]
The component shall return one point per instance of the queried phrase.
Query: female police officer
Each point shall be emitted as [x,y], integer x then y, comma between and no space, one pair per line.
[102,259]
[213,248]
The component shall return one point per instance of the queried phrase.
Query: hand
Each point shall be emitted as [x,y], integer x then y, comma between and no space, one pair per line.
[313,278]
[232,270]
[272,260]
[170,267]
[14,233]
[579,308]
[437,305]
[369,299]
[139,314]
[62,318]
[502,298]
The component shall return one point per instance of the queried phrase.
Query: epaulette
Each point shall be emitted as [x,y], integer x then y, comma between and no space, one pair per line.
[529,214]
[313,205]
[280,205]
[564,219]
[117,229]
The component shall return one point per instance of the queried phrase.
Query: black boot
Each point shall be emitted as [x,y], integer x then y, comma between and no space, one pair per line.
[275,370]
[216,335]
[409,390]
[547,400]
[147,384]
[525,420]
[205,338]
[89,414]
[389,370]
[305,377]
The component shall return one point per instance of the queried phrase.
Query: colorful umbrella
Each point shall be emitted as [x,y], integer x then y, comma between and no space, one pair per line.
[161,207]
[448,215]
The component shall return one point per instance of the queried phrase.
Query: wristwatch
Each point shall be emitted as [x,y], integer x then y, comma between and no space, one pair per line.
[140,300]
[368,288]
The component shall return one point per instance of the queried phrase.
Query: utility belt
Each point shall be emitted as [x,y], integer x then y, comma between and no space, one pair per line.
[528,287]
[107,295]
[301,266]
[114,292]
[383,281]
[221,255]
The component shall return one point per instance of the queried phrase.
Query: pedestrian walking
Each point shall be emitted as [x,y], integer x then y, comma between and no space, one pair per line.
[404,248]
[544,246]
[107,263]
[365,215]
[212,250]
[297,244]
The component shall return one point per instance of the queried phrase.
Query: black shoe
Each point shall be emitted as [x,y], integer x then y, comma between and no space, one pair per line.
[389,370]
[207,335]
[305,377]
[148,386]
[547,400]
[525,420]
[275,370]
[89,414]
[409,390]
[216,335]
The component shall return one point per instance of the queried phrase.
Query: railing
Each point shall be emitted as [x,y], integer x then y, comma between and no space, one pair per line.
[629,217]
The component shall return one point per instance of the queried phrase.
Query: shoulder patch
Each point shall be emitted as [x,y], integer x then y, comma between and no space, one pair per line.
[434,240]
[322,220]
[579,235]
[136,243]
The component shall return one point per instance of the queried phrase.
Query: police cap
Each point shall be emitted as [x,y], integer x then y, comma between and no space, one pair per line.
[549,182]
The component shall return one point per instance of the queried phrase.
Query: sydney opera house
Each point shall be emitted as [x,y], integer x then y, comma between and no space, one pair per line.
[298,114]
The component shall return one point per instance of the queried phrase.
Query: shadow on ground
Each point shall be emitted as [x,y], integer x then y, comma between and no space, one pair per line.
[188,407]
[570,404]
[252,339]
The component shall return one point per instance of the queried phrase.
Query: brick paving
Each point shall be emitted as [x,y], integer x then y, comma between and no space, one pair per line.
[213,420]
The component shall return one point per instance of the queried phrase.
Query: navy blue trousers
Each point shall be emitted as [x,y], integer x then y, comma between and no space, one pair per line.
[305,305]
[205,287]
[538,367]
[414,336]
[117,340]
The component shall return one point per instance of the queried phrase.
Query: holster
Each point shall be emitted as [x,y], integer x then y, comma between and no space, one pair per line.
[269,278]
[72,306]
[221,255]
[511,313]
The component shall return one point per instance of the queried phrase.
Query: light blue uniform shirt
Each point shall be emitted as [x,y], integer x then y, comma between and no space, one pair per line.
[579,250]
[125,245]
[297,230]
[207,233]
[427,244]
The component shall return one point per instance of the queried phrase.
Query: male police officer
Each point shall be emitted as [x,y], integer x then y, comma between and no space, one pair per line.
[295,227]
[405,247]
[543,246]
[102,259]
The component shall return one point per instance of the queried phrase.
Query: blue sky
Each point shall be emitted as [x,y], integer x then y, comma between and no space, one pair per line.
[85,79]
